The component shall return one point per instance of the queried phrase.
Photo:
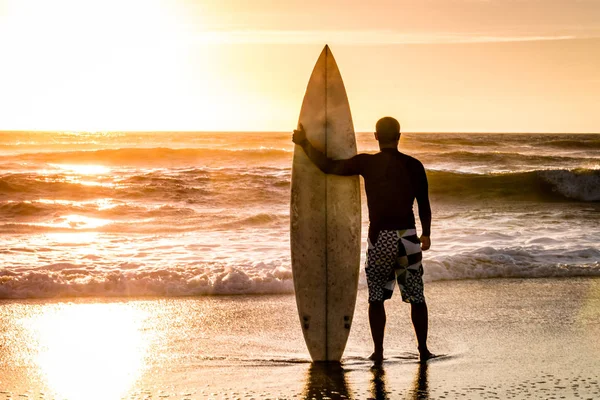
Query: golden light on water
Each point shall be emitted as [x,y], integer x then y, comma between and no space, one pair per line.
[97,175]
[74,221]
[83,169]
[100,204]
[90,351]
[79,221]
[87,238]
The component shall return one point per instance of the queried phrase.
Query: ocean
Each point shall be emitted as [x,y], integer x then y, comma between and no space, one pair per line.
[194,213]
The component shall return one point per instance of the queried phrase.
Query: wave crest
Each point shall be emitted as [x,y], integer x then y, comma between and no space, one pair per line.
[589,144]
[540,185]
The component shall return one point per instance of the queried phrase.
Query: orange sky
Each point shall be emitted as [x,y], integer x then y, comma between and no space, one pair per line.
[437,65]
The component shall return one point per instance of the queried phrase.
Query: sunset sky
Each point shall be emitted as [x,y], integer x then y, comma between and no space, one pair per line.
[437,65]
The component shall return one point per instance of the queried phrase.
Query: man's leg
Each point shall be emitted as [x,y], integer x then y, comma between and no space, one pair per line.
[419,316]
[377,321]
[381,280]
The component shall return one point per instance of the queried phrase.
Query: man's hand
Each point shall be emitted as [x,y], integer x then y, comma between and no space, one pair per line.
[299,136]
[425,242]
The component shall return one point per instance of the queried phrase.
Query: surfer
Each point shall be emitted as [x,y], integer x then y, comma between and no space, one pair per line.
[393,181]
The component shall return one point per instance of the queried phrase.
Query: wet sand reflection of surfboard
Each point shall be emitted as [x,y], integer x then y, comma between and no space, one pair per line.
[325,217]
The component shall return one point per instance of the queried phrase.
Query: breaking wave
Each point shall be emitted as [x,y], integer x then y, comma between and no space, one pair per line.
[540,185]
[275,277]
[72,280]
[514,262]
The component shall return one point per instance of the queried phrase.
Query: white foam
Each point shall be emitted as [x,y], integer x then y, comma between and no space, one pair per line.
[68,280]
[275,276]
[580,185]
[515,262]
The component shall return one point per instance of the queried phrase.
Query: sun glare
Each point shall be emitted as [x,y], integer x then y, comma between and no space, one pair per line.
[90,351]
[105,62]
[156,65]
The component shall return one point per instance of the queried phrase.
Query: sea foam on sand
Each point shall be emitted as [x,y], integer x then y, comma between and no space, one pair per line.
[501,338]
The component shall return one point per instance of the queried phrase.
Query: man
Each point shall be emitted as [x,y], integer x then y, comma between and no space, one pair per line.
[393,181]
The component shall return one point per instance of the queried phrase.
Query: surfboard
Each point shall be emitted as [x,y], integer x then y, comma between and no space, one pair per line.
[325,217]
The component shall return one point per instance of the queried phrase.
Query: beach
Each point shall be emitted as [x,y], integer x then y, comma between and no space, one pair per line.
[498,338]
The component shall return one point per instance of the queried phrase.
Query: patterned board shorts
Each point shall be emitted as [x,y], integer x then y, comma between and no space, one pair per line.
[395,257]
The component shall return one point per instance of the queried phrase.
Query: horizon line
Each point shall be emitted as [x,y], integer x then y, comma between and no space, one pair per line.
[72,131]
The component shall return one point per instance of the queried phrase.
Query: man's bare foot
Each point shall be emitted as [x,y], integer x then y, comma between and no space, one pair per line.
[425,355]
[376,357]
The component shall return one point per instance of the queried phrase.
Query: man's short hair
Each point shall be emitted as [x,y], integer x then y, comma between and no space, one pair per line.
[388,129]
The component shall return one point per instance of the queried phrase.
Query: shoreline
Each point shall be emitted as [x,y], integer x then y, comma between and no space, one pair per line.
[362,287]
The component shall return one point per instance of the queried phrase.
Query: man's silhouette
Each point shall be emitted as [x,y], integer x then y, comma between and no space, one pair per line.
[393,181]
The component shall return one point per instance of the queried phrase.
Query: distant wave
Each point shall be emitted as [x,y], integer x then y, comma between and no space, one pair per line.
[505,159]
[222,158]
[29,217]
[592,144]
[452,140]
[501,140]
[261,219]
[264,186]
[192,185]
[151,156]
[580,184]
[18,210]
[118,148]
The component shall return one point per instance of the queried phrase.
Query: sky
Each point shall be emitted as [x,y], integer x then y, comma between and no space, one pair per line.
[238,65]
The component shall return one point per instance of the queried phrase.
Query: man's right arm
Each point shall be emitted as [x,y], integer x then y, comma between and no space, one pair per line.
[422,195]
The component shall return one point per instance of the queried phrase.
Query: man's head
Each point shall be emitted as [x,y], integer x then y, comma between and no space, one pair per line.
[387,132]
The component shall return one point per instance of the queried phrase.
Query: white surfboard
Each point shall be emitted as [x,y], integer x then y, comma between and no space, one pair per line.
[325,217]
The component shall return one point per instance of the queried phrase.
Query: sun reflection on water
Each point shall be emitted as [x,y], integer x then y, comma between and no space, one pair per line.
[90,351]
[83,169]
[75,221]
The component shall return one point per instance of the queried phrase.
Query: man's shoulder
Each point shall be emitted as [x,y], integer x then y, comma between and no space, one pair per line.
[382,154]
[363,156]
[411,160]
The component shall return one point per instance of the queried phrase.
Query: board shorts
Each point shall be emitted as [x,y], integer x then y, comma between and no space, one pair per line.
[395,257]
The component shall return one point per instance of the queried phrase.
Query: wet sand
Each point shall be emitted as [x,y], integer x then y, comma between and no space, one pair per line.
[504,338]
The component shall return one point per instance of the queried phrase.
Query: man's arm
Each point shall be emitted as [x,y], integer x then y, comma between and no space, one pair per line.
[328,165]
[422,195]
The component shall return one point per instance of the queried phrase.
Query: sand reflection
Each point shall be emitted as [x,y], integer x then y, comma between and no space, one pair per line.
[418,391]
[90,351]
[326,380]
[378,384]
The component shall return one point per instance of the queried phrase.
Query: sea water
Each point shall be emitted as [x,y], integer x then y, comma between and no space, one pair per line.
[188,213]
